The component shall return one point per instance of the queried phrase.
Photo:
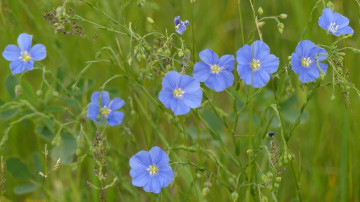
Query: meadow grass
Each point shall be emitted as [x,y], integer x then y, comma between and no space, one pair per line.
[324,144]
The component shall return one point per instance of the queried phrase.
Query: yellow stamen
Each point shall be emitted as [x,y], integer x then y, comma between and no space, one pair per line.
[178,93]
[215,69]
[255,64]
[153,170]
[25,56]
[306,62]
[105,111]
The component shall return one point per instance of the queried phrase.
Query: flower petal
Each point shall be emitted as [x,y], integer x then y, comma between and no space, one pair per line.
[270,63]
[245,73]
[153,185]
[165,96]
[227,62]
[260,79]
[105,99]
[11,53]
[303,48]
[93,112]
[38,52]
[243,55]
[30,65]
[179,107]
[171,80]
[158,156]
[219,82]
[181,29]
[115,118]
[177,20]
[193,99]
[24,41]
[166,175]
[17,66]
[202,71]
[188,84]
[209,57]
[140,177]
[116,104]
[259,49]
[140,160]
[345,30]
[95,97]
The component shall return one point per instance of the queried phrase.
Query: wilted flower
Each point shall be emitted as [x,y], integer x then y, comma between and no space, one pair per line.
[255,64]
[22,58]
[180,26]
[215,73]
[180,93]
[97,110]
[334,23]
[303,61]
[151,170]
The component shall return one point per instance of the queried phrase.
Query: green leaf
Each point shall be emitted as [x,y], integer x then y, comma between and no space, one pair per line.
[25,188]
[66,150]
[8,114]
[18,169]
[10,83]
[44,133]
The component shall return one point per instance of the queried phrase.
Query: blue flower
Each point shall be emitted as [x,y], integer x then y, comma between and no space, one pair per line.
[214,72]
[180,26]
[180,93]
[334,23]
[22,58]
[255,64]
[107,109]
[303,61]
[151,170]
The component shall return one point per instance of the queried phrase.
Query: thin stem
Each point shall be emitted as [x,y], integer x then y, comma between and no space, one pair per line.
[241,24]
[256,20]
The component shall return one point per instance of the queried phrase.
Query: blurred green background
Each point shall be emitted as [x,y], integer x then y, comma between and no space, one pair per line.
[325,145]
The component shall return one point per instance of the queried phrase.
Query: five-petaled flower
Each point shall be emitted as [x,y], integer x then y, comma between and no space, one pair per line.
[99,108]
[180,26]
[334,23]
[180,92]
[215,73]
[22,58]
[151,170]
[255,64]
[304,63]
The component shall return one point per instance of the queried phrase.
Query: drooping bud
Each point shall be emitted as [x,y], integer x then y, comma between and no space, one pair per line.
[260,11]
[283,16]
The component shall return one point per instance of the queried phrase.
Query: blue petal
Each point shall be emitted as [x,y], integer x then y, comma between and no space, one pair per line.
[303,48]
[202,71]
[323,67]
[345,30]
[209,57]
[186,23]
[260,78]
[140,177]
[193,99]
[24,41]
[177,20]
[166,175]
[11,53]
[188,84]
[115,118]
[93,112]
[95,97]
[219,82]
[158,157]
[179,107]
[243,55]
[17,66]
[340,20]
[227,62]
[165,96]
[116,104]
[245,72]
[270,63]
[171,80]
[153,185]
[181,29]
[296,63]
[326,18]
[319,52]
[30,65]
[259,49]
[38,52]
[140,160]
[105,99]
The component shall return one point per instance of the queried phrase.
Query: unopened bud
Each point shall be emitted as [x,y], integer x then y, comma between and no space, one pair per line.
[39,92]
[260,11]
[283,16]
[18,90]
[150,20]
[261,24]
[234,196]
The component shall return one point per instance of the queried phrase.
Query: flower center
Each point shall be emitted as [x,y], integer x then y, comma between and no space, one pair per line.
[178,93]
[306,62]
[255,64]
[153,169]
[177,26]
[105,111]
[333,27]
[215,69]
[25,56]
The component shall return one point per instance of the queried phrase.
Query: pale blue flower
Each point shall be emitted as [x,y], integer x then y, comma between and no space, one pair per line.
[334,23]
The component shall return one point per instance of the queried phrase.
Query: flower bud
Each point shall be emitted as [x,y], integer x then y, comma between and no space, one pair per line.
[150,20]
[180,53]
[205,191]
[39,92]
[278,179]
[283,16]
[55,93]
[260,11]
[18,90]
[234,196]
[330,5]
[261,24]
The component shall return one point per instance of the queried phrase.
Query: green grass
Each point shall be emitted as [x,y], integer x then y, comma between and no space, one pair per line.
[325,144]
